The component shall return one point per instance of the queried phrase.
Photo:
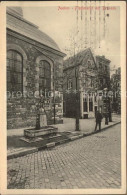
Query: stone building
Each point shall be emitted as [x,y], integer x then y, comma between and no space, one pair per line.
[34,64]
[83,84]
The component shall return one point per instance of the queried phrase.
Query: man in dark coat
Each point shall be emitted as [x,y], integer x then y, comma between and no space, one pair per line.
[98,120]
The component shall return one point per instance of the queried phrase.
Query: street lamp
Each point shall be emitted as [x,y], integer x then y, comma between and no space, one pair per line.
[76,88]
[77,100]
[110,107]
[105,105]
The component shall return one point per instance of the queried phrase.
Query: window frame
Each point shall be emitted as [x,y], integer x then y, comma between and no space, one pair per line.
[14,71]
[90,105]
[47,79]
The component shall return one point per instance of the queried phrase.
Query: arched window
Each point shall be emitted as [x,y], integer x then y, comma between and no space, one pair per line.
[44,76]
[14,71]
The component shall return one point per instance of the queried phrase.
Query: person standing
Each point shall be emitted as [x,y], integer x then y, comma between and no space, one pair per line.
[98,120]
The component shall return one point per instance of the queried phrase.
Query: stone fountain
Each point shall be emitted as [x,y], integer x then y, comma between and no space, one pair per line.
[41,129]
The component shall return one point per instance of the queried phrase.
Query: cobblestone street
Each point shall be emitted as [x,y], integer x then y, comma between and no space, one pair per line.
[89,162]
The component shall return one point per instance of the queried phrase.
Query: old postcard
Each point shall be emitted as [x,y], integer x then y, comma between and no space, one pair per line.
[63,97]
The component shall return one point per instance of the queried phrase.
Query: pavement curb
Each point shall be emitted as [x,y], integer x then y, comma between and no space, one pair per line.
[22,153]
[53,144]
[102,129]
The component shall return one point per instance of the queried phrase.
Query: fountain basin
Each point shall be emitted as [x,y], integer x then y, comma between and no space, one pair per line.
[33,133]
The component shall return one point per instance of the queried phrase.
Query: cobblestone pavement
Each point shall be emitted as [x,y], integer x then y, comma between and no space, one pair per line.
[89,162]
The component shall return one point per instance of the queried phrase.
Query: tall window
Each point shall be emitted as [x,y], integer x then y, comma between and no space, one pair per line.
[85,109]
[14,71]
[44,76]
[95,98]
[90,104]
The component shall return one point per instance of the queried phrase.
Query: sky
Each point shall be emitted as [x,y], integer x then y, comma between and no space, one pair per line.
[69,27]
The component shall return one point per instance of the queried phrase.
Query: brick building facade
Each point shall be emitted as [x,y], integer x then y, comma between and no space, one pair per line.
[34,63]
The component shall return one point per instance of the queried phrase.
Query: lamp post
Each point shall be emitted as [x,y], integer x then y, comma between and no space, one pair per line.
[110,108]
[77,94]
[54,101]
[54,105]
[105,104]
[77,100]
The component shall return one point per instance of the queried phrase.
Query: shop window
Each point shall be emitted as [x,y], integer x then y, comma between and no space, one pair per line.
[14,71]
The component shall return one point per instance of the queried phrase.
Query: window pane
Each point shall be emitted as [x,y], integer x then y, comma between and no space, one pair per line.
[15,72]
[41,72]
[17,87]
[85,106]
[41,63]
[15,78]
[41,82]
[19,78]
[8,63]
[18,66]
[18,57]
[48,83]
[90,106]
[8,76]
[10,54]
[9,87]
[11,63]
[47,66]
[45,75]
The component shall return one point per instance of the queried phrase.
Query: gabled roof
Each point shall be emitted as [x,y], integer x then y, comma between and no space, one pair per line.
[79,58]
[17,23]
[15,11]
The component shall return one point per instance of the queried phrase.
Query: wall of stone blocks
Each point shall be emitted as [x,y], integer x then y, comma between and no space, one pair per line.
[21,111]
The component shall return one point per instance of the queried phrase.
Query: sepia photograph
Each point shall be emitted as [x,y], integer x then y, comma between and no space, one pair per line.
[65,96]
